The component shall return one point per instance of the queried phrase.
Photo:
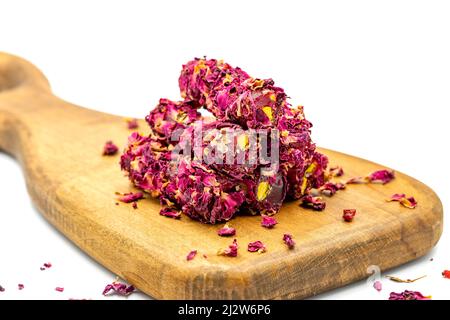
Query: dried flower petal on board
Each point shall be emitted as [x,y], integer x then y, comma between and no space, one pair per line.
[170,213]
[408,202]
[396,279]
[330,188]
[311,202]
[446,274]
[231,251]
[287,238]
[110,148]
[59,289]
[356,180]
[268,222]
[256,246]
[191,255]
[336,171]
[132,124]
[349,214]
[381,176]
[408,295]
[130,197]
[118,288]
[378,285]
[134,205]
[226,231]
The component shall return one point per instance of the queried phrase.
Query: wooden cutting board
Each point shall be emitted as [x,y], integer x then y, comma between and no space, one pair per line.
[59,146]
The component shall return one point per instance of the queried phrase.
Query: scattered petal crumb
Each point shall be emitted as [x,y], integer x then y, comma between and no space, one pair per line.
[226,231]
[47,265]
[231,251]
[287,238]
[118,288]
[41,268]
[378,285]
[130,196]
[356,180]
[132,123]
[336,171]
[205,256]
[110,148]
[20,286]
[311,202]
[408,295]
[381,176]
[134,205]
[2,289]
[408,202]
[256,246]
[59,289]
[395,279]
[446,274]
[268,222]
[191,255]
[348,215]
[116,203]
[431,259]
[330,188]
[170,213]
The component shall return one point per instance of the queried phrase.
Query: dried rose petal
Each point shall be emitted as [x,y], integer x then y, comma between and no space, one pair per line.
[226,231]
[311,202]
[446,274]
[268,222]
[408,202]
[41,268]
[118,288]
[408,295]
[330,188]
[20,286]
[59,289]
[256,246]
[349,214]
[130,197]
[336,171]
[132,124]
[134,205]
[2,289]
[170,213]
[110,148]
[287,238]
[381,176]
[356,180]
[378,285]
[231,251]
[47,265]
[191,255]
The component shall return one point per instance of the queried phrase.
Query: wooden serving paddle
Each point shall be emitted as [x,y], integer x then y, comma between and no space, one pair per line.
[59,146]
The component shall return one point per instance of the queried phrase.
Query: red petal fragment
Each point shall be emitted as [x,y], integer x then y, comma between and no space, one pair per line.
[231,251]
[330,188]
[378,285]
[135,205]
[132,124]
[130,197]
[256,246]
[118,288]
[336,171]
[2,289]
[110,149]
[170,213]
[311,202]
[408,202]
[268,222]
[287,238]
[349,214]
[59,289]
[20,286]
[408,295]
[356,180]
[226,231]
[191,255]
[47,265]
[446,274]
[381,176]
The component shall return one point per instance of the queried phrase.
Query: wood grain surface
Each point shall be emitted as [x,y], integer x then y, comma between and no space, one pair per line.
[59,146]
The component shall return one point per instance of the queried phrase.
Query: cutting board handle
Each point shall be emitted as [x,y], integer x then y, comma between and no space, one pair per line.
[17,73]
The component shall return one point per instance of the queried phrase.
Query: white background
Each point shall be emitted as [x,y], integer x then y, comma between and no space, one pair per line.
[374,77]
